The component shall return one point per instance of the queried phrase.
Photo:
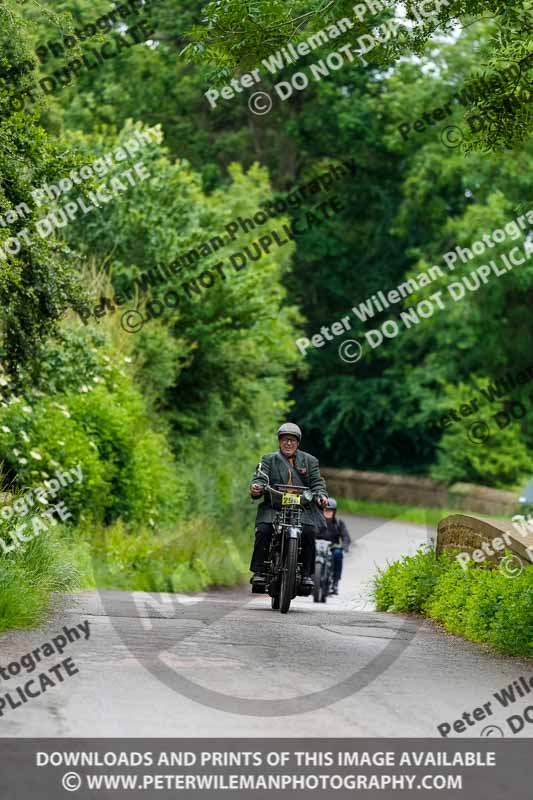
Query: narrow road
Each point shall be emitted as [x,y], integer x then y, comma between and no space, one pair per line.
[223,664]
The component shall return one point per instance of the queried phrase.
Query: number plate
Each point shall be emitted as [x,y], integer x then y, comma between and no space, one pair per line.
[290,499]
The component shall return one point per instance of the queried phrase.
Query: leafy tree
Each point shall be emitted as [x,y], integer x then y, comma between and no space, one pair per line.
[410,200]
[235,343]
[37,283]
[239,35]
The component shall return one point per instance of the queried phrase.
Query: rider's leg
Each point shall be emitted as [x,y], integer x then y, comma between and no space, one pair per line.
[308,549]
[263,535]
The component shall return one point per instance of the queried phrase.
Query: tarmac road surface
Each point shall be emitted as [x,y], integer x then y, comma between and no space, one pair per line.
[224,664]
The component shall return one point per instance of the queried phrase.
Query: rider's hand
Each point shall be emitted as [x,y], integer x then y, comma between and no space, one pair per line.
[322,500]
[256,490]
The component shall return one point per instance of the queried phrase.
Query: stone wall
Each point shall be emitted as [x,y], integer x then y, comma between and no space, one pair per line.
[409,491]
[467,534]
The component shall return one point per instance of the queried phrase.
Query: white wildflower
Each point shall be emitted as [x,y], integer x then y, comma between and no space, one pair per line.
[23,460]
[83,388]
[36,455]
[6,429]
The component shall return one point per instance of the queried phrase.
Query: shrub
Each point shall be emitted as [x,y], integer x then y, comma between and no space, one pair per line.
[103,425]
[406,585]
[480,604]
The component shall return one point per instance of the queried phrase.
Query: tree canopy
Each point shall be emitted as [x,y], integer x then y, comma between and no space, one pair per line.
[434,129]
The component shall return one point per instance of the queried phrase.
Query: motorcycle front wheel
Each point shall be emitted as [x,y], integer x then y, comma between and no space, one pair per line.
[288,579]
[317,588]
[326,585]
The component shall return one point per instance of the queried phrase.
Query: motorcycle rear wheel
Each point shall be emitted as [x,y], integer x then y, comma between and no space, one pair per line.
[288,579]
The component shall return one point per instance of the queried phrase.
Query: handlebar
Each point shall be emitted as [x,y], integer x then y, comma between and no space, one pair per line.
[331,545]
[284,487]
[305,494]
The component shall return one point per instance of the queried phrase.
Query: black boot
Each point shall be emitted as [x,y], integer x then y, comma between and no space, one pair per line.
[258,582]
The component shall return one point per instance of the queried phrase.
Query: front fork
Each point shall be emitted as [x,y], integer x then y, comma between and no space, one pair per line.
[277,556]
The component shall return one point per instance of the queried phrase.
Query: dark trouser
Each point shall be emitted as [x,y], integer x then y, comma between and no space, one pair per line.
[338,555]
[263,535]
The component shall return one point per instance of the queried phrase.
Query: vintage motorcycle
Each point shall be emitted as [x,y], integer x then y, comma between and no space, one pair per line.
[323,577]
[283,569]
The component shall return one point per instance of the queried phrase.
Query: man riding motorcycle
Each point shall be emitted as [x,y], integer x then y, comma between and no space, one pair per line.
[289,466]
[337,534]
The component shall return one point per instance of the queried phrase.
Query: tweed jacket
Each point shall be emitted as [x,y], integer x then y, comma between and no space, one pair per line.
[277,468]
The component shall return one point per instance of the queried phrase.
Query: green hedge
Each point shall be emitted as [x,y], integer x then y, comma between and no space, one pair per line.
[99,421]
[480,604]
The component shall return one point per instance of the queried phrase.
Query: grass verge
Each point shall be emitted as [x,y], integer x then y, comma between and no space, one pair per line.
[480,604]
[30,576]
[414,514]
[188,557]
